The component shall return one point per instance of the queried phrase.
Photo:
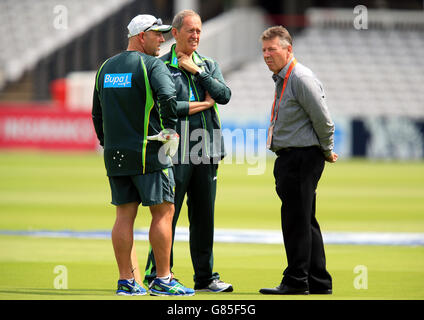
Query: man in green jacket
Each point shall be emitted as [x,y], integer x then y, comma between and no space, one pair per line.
[200,85]
[134,115]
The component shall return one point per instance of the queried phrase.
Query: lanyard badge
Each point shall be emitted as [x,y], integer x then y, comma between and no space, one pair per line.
[269,139]
[274,116]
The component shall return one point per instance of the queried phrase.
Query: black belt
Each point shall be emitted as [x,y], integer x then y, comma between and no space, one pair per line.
[284,150]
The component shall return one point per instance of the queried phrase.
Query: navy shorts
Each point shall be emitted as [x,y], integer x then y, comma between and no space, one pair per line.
[148,189]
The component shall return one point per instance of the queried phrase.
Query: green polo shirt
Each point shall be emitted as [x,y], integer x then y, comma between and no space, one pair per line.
[134,97]
[193,88]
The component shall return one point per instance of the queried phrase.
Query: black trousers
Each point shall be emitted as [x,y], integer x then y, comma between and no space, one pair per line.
[297,172]
[198,182]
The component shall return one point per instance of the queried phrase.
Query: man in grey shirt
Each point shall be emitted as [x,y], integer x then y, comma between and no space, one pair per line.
[301,133]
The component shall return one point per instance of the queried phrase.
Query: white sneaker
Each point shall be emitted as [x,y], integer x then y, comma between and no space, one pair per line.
[217,286]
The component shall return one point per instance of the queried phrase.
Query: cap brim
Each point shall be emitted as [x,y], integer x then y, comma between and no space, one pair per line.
[162,28]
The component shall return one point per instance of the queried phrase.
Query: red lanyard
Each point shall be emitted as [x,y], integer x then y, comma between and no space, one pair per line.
[282,91]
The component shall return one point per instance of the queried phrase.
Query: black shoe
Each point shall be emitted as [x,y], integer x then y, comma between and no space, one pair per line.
[322,291]
[283,289]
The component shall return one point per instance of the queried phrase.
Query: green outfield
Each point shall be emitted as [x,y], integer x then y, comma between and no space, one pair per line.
[69,191]
[27,268]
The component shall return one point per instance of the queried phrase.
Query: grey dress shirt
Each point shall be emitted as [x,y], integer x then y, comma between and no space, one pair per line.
[303,118]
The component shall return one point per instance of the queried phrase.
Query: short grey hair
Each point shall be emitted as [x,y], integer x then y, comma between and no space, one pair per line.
[280,32]
[177,23]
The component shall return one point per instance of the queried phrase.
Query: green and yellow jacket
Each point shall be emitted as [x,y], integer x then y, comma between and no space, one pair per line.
[134,97]
[200,133]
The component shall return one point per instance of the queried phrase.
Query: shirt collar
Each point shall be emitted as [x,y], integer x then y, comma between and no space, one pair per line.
[282,73]
[174,60]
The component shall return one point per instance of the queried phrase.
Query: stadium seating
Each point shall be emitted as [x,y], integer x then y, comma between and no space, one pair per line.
[364,72]
[376,71]
[29,32]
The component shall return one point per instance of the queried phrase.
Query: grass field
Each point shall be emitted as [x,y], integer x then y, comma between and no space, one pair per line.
[27,269]
[64,191]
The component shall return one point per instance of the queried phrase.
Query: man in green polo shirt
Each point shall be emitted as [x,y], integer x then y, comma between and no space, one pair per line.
[199,84]
[134,115]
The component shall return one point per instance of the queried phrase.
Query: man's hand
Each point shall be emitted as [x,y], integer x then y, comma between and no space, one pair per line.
[170,140]
[332,157]
[209,100]
[198,106]
[187,63]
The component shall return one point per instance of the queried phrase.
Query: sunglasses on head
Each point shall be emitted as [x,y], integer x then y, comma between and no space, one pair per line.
[158,22]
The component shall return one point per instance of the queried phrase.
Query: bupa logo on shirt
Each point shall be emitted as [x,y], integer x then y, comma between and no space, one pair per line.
[117,80]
